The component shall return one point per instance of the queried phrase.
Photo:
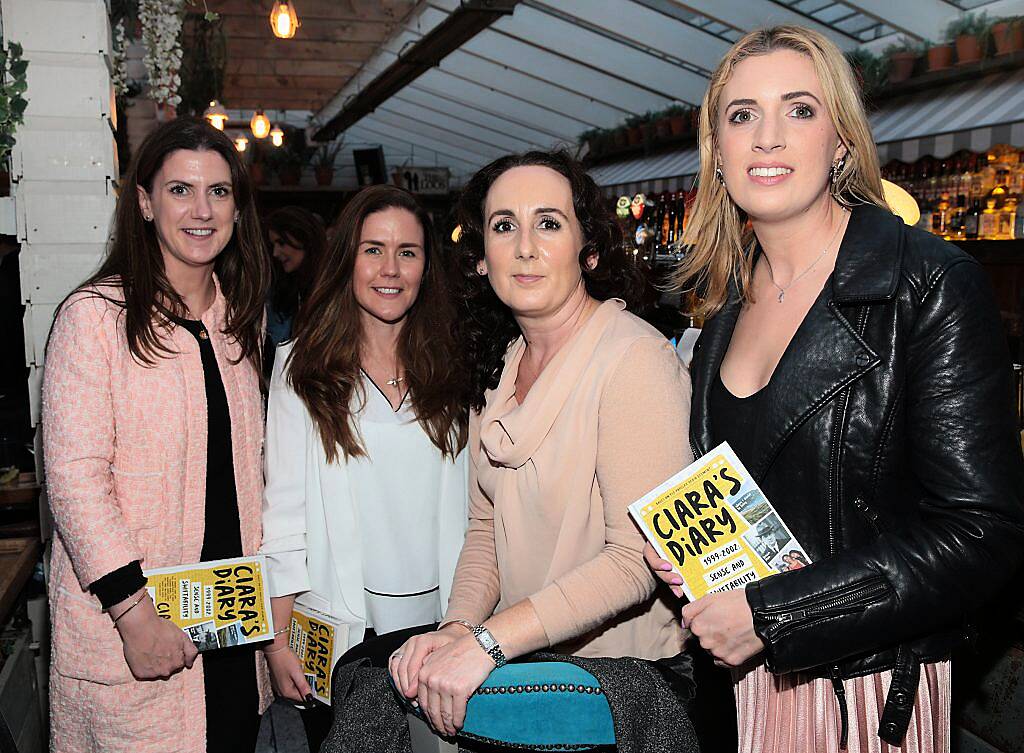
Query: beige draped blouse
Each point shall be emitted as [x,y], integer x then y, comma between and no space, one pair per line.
[550,482]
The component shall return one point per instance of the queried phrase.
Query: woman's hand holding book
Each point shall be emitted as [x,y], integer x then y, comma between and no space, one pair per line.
[154,648]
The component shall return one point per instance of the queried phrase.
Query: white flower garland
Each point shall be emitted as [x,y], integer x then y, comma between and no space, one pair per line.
[161,31]
[119,76]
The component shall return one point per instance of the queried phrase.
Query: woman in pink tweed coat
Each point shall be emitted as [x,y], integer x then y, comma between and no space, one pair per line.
[152,427]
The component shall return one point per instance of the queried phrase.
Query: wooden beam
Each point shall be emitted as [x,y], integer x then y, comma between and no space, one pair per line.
[316,30]
[334,10]
[282,102]
[277,92]
[240,65]
[296,49]
[292,83]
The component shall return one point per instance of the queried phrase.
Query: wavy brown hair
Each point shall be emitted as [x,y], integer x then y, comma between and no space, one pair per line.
[486,325]
[717,237]
[134,264]
[323,367]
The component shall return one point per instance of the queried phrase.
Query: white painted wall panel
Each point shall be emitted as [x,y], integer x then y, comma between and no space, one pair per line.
[73,26]
[84,151]
[49,273]
[65,212]
[69,86]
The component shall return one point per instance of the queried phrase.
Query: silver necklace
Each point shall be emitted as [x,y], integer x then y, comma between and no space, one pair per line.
[394,382]
[782,289]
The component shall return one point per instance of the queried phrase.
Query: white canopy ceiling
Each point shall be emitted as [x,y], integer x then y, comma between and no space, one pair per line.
[554,68]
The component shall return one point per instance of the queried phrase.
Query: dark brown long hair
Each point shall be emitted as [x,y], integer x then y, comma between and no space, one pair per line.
[300,228]
[486,325]
[134,264]
[323,368]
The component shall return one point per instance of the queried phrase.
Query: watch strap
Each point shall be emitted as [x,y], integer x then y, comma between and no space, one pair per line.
[490,646]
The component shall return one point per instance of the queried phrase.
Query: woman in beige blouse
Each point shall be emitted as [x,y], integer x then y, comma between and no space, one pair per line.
[579,409]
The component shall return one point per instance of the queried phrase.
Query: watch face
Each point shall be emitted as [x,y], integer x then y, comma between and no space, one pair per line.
[486,640]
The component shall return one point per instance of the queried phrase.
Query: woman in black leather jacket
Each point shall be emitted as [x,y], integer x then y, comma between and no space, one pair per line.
[859,369]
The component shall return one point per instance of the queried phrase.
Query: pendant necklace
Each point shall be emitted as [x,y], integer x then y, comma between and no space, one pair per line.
[394,381]
[783,288]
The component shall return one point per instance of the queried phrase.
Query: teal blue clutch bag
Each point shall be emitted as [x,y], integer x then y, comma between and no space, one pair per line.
[551,706]
[543,706]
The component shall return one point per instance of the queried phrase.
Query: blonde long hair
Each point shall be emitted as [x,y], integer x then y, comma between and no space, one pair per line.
[718,239]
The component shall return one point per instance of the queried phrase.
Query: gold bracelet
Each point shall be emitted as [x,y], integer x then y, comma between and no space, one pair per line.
[282,630]
[131,607]
[275,651]
[468,625]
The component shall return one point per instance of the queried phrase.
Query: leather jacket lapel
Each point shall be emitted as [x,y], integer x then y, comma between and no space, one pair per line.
[710,349]
[825,355]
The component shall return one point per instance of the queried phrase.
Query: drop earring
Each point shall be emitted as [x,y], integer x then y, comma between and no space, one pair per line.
[718,175]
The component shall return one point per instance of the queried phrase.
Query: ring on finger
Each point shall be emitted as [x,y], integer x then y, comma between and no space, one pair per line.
[397,654]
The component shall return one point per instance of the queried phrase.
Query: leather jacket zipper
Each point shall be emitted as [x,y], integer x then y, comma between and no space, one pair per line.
[871,515]
[850,599]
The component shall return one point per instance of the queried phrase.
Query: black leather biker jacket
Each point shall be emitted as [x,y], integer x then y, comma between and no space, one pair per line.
[892,455]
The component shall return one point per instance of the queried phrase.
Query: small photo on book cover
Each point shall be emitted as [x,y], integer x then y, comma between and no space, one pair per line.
[230,635]
[204,635]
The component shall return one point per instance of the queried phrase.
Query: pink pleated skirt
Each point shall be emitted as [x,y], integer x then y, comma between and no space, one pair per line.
[799,714]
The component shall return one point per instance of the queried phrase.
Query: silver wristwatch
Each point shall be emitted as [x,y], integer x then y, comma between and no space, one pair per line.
[489,645]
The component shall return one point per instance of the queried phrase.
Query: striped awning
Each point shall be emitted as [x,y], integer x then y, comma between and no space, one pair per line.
[974,115]
[664,172]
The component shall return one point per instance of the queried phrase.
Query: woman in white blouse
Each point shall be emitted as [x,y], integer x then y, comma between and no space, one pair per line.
[365,505]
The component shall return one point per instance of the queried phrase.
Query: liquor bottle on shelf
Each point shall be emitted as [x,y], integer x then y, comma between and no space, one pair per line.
[972,221]
[957,215]
[940,216]
[680,201]
[1007,217]
[989,222]
[1018,221]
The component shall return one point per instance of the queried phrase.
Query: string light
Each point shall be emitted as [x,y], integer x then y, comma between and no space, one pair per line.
[259,125]
[241,143]
[283,20]
[216,114]
[277,136]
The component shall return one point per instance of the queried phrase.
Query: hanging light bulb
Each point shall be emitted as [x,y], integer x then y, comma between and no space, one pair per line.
[241,143]
[260,124]
[277,136]
[216,114]
[283,20]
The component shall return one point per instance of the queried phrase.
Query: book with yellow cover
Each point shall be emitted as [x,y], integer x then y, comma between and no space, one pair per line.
[218,603]
[318,640]
[714,525]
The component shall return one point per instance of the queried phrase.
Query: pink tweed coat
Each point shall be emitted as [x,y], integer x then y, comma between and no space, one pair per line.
[125,457]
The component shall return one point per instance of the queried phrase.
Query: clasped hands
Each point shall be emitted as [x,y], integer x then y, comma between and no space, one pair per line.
[721,622]
[440,671]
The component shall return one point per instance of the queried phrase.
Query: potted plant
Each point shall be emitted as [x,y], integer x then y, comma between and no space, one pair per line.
[635,129]
[288,160]
[940,56]
[323,161]
[968,32]
[1008,34]
[662,127]
[592,138]
[870,70]
[677,120]
[12,105]
[902,58]
[258,165]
